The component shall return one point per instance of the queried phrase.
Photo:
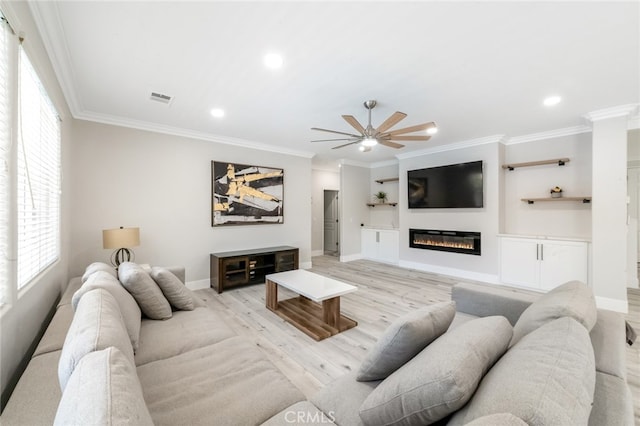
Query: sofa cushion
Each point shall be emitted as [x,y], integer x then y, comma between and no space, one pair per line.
[404,338]
[342,397]
[146,292]
[547,378]
[178,295]
[301,413]
[483,300]
[103,390]
[219,384]
[98,266]
[54,335]
[73,286]
[185,331]
[35,398]
[441,378]
[572,299]
[612,402]
[608,341]
[97,324]
[128,306]
[500,419]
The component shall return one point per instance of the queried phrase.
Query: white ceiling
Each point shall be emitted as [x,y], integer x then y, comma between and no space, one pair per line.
[476,68]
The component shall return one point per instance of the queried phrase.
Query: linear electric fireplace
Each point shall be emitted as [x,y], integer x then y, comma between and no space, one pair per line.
[451,241]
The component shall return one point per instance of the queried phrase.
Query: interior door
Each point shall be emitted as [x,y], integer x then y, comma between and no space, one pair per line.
[331,224]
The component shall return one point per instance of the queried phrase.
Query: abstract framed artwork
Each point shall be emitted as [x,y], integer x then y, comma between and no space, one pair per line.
[246,195]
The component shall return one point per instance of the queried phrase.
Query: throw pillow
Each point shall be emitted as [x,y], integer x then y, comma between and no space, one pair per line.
[103,390]
[404,338]
[128,306]
[98,266]
[178,295]
[572,299]
[547,378]
[146,292]
[97,324]
[441,378]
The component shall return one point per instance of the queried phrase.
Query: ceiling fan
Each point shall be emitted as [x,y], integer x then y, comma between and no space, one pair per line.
[370,136]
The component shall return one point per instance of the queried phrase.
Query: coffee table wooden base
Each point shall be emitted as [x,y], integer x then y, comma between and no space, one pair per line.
[315,320]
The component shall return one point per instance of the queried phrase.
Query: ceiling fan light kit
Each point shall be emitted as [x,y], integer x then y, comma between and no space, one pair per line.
[369,136]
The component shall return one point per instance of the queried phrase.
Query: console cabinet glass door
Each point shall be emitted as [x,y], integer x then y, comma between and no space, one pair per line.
[235,270]
[286,261]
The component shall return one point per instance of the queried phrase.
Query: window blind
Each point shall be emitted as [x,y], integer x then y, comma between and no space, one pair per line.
[38,176]
[5,153]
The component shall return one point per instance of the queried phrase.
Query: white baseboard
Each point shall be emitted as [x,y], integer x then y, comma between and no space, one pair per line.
[317,253]
[454,272]
[350,257]
[609,304]
[305,265]
[199,284]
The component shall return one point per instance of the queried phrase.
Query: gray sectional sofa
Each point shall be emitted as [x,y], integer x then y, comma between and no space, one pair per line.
[188,369]
[492,356]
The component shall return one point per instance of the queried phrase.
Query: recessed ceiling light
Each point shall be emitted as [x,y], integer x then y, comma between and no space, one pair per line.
[217,112]
[273,61]
[552,100]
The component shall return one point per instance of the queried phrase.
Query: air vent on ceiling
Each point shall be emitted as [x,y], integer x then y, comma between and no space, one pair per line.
[161,97]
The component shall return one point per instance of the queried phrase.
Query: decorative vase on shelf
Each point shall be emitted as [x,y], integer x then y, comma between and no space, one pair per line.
[556,192]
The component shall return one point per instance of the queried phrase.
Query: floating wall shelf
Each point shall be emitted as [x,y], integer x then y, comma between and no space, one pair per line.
[395,179]
[382,204]
[558,161]
[584,200]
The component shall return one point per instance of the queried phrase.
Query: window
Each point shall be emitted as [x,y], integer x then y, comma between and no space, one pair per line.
[38,176]
[5,153]
[29,170]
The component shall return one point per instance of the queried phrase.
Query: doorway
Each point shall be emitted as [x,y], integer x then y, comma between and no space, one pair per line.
[331,245]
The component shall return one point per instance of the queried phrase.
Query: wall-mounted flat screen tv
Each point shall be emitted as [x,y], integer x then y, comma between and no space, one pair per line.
[444,187]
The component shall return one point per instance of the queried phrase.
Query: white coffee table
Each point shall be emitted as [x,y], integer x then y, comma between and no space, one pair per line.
[316,311]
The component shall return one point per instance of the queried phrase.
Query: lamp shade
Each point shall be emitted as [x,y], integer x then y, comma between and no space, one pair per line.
[120,238]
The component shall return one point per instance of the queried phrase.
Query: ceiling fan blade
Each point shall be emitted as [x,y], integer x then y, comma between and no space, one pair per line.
[346,144]
[394,119]
[390,144]
[412,129]
[411,138]
[333,140]
[336,132]
[354,123]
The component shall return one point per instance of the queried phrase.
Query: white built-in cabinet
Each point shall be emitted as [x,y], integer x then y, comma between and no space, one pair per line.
[382,245]
[542,263]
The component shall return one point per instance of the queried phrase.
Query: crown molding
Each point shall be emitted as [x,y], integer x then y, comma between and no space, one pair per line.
[383,164]
[191,134]
[453,146]
[47,19]
[551,134]
[613,112]
[347,162]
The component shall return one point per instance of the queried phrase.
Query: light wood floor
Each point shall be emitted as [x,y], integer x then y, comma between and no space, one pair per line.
[384,293]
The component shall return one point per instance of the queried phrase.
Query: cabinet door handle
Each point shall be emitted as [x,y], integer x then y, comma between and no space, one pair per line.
[541,251]
[537,251]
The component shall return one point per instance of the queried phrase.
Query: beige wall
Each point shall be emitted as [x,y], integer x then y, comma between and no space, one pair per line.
[162,184]
[564,219]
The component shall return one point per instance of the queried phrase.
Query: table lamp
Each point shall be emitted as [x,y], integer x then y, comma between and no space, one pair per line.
[121,239]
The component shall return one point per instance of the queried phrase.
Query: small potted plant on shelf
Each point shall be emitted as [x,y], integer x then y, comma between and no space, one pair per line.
[381,196]
[556,192]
